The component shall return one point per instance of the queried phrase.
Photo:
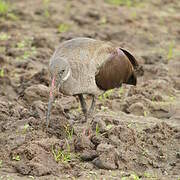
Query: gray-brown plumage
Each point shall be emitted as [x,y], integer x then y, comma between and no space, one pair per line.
[87,66]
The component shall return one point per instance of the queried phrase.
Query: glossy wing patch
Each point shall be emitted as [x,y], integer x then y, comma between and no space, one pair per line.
[114,71]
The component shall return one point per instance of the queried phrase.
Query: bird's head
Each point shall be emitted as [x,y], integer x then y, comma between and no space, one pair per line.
[60,72]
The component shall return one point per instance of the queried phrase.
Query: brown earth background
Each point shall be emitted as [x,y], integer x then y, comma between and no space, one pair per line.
[136,130]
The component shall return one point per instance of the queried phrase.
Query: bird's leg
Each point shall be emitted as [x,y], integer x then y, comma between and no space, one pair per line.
[83,105]
[90,112]
[91,109]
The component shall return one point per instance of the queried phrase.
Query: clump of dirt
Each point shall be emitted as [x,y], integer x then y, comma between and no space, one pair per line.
[134,132]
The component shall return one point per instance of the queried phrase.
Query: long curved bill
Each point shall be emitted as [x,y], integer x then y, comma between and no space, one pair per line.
[51,99]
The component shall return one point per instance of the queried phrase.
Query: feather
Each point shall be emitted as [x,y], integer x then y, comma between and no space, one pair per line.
[117,69]
[131,58]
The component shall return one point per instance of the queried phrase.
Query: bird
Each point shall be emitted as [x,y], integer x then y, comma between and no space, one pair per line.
[88,66]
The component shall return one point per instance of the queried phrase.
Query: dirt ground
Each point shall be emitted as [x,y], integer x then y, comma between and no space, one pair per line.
[135,130]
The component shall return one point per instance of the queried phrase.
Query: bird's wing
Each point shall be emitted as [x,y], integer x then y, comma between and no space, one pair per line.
[114,71]
[131,58]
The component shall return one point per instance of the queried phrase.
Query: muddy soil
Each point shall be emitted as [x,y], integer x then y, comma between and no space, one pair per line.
[135,131]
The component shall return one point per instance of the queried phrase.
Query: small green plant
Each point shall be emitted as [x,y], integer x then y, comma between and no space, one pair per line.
[134,15]
[147,175]
[79,108]
[100,97]
[69,131]
[109,126]
[105,95]
[149,36]
[4,7]
[124,178]
[129,125]
[1,162]
[172,98]
[5,10]
[170,51]
[4,36]
[1,72]
[104,108]
[145,152]
[12,16]
[121,91]
[63,28]
[32,177]
[145,113]
[97,129]
[134,177]
[62,155]
[128,3]
[108,93]
[103,20]
[25,128]
[26,46]
[21,44]
[16,158]
[46,8]
[26,55]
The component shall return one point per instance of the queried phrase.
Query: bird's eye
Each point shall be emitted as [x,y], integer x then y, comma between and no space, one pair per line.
[61,73]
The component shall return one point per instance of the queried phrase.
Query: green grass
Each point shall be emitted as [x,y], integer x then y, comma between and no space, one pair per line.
[103,20]
[131,177]
[63,156]
[145,113]
[26,55]
[134,15]
[105,95]
[104,108]
[4,36]
[21,44]
[31,177]
[25,128]
[120,2]
[69,131]
[170,51]
[171,98]
[16,158]
[12,16]
[121,91]
[4,8]
[134,177]
[28,49]
[97,129]
[46,8]
[2,72]
[63,28]
[109,126]
[127,3]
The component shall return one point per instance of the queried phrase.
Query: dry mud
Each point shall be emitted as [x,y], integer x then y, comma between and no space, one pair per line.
[135,131]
